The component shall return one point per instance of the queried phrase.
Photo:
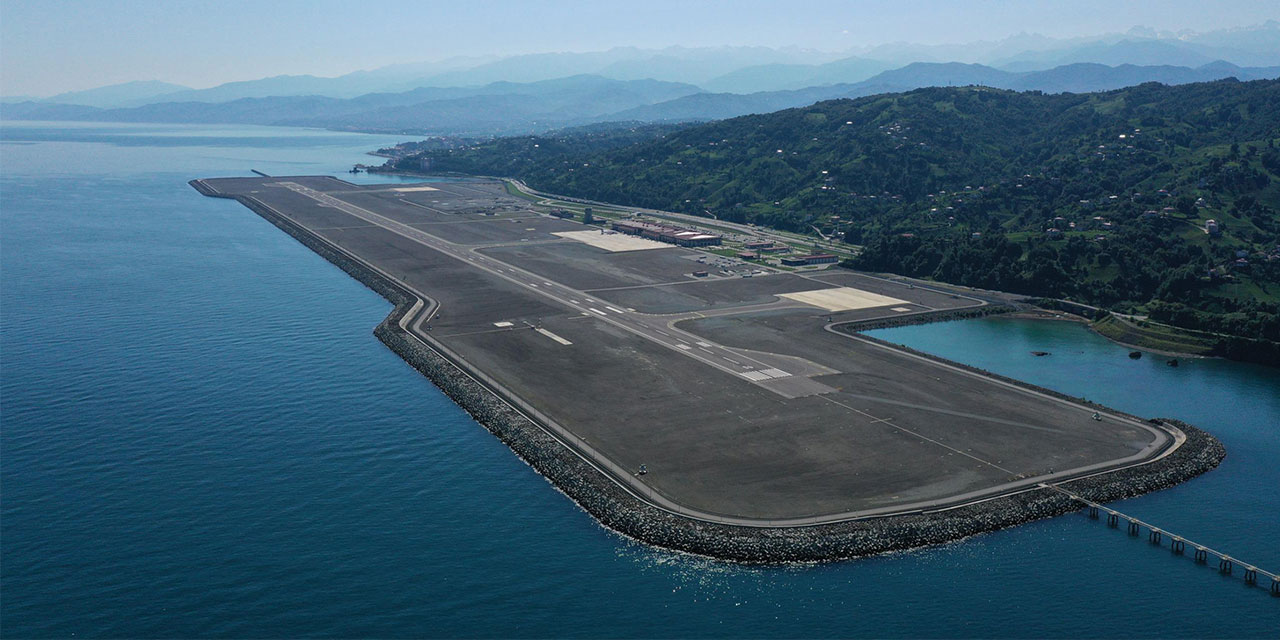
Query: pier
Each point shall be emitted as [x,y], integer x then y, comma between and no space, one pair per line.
[1177,544]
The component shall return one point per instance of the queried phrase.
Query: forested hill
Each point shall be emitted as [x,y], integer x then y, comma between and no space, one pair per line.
[978,177]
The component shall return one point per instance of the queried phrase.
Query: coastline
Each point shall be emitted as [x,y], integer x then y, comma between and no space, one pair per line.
[1053,315]
[627,514]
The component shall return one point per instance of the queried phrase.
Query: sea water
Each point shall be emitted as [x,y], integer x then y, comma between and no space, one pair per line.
[200,437]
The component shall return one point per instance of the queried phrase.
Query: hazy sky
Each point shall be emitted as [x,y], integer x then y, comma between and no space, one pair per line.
[49,46]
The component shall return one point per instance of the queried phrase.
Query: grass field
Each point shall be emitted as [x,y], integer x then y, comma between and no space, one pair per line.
[1154,336]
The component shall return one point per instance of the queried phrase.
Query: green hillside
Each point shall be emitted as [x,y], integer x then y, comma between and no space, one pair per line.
[964,184]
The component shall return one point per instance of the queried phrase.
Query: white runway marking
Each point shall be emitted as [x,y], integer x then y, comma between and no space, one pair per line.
[553,336]
[612,242]
[597,311]
[754,376]
[703,344]
[842,299]
[900,309]
[408,189]
[502,324]
[615,310]
[775,373]
[683,346]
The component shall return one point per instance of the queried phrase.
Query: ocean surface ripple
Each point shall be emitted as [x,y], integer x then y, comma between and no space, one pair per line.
[202,438]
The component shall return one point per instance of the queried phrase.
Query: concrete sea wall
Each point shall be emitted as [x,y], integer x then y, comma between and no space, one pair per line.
[621,511]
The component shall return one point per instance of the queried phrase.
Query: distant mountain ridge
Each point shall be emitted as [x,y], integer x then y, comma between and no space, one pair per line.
[118,95]
[1074,78]
[497,107]
[735,69]
[509,108]
[674,64]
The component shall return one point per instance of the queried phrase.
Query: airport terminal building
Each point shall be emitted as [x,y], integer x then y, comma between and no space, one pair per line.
[664,233]
[817,258]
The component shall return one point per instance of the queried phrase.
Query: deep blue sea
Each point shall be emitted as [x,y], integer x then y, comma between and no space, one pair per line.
[201,437]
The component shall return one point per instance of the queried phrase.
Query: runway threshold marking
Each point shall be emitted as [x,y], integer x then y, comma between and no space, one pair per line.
[597,311]
[614,309]
[553,336]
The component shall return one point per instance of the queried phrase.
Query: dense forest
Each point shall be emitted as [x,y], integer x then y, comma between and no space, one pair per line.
[1104,198]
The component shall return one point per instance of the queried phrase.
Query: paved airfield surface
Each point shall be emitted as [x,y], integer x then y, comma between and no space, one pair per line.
[735,393]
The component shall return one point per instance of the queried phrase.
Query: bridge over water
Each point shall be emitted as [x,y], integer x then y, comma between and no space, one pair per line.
[1177,544]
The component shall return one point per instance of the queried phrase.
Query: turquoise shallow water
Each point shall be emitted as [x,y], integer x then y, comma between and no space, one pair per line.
[200,437]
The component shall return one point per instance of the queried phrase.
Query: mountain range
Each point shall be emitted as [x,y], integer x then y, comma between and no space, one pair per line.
[490,95]
[726,69]
[1073,78]
[509,108]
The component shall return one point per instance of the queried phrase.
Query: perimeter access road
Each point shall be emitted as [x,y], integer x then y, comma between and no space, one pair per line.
[735,395]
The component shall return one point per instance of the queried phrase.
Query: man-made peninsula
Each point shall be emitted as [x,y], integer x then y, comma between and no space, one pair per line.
[708,403]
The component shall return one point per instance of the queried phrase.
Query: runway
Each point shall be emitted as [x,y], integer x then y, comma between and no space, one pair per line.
[734,393]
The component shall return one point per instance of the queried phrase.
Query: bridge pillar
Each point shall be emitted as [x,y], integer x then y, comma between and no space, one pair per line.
[1113,520]
[1133,528]
[1251,575]
[1093,513]
[1154,537]
[1275,587]
[1202,555]
[1224,566]
[1177,546]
